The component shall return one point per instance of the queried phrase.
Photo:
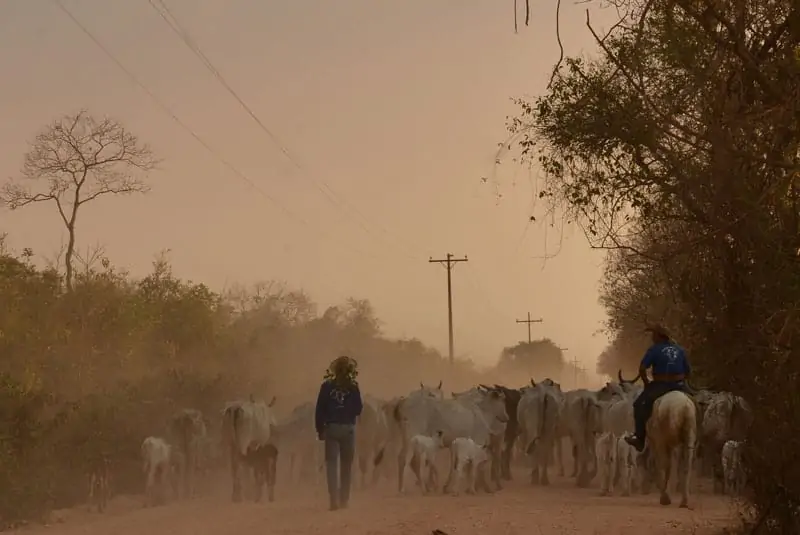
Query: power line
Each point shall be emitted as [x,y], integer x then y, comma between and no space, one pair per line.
[449,262]
[322,186]
[529,321]
[239,174]
[166,109]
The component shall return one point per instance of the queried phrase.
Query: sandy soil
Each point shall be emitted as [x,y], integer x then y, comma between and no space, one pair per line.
[519,508]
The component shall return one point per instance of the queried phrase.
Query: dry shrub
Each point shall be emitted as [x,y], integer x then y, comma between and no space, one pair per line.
[93,371]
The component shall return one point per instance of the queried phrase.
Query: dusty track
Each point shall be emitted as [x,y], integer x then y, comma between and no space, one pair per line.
[520,508]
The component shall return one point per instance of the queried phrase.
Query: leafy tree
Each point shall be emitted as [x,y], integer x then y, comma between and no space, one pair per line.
[74,161]
[677,148]
[536,359]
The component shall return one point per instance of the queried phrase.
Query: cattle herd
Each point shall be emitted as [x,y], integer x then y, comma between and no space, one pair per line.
[483,428]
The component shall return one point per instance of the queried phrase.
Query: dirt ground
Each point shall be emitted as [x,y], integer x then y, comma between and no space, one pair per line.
[518,509]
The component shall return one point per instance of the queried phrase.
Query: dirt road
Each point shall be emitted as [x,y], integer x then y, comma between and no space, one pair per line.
[520,508]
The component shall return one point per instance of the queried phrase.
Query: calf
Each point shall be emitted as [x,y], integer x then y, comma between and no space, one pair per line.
[422,458]
[466,455]
[99,488]
[732,468]
[606,447]
[264,460]
[157,456]
[627,465]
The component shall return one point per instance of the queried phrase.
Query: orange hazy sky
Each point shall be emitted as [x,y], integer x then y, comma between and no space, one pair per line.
[396,106]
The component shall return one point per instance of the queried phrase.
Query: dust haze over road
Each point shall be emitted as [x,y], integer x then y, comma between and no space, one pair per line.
[414,88]
[518,509]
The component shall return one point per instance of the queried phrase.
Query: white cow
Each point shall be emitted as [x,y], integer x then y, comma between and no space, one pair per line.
[422,457]
[606,447]
[732,468]
[247,428]
[424,412]
[188,434]
[726,417]
[157,457]
[583,413]
[404,422]
[617,400]
[297,438]
[498,433]
[467,456]
[99,485]
[372,435]
[539,417]
[627,466]
[394,438]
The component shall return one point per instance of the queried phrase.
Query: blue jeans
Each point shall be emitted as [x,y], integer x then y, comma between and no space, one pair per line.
[340,444]
[643,405]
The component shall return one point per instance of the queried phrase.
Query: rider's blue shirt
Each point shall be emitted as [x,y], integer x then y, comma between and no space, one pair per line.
[666,358]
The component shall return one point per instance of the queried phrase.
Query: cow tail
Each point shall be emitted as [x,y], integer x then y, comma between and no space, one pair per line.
[237,417]
[542,427]
[379,456]
[185,433]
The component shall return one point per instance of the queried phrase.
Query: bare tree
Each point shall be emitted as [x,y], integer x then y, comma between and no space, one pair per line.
[75,160]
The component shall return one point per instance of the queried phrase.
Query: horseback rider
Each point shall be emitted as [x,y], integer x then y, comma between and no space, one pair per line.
[671,369]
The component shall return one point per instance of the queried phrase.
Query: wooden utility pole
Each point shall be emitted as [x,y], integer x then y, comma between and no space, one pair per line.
[449,263]
[575,370]
[529,321]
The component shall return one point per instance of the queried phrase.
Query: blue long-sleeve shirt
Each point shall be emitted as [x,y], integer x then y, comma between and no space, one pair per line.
[666,358]
[337,405]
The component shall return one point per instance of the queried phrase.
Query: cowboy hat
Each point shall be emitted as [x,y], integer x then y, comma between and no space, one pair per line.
[659,330]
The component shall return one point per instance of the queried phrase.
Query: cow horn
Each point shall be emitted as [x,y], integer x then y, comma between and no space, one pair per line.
[440,385]
[533,383]
[421,386]
[272,402]
[484,387]
[623,380]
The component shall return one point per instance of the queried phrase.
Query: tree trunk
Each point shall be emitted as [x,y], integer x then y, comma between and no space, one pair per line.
[68,256]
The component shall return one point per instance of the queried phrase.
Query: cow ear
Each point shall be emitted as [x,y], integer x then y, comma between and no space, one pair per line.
[272,402]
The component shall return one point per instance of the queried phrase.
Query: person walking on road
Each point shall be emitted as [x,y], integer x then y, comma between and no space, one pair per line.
[339,405]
